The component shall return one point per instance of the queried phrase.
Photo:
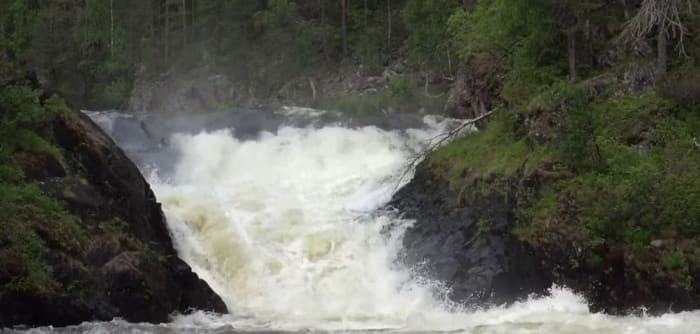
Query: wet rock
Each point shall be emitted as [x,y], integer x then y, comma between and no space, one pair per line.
[124,264]
[140,287]
[481,262]
[468,241]
[75,191]
[41,165]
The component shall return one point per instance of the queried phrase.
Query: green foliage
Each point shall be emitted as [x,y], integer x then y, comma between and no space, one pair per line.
[32,222]
[401,86]
[368,40]
[280,27]
[428,38]
[104,58]
[493,152]
[22,120]
[676,261]
[490,26]
[641,181]
[17,19]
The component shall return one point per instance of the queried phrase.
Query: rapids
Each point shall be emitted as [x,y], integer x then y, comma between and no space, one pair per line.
[286,223]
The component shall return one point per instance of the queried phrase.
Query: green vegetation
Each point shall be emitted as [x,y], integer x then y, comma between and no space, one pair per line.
[107,45]
[31,221]
[474,155]
[590,161]
[622,171]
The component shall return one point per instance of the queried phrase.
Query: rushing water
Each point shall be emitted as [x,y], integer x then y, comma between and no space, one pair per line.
[287,227]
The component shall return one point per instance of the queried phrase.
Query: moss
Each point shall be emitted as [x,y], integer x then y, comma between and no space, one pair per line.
[628,174]
[540,156]
[492,152]
[33,224]
[117,228]
[629,119]
[30,142]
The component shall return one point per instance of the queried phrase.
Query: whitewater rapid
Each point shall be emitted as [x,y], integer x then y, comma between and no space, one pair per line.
[286,228]
[289,228]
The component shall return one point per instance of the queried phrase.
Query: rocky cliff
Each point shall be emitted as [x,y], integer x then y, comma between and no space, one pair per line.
[471,248]
[111,255]
[588,187]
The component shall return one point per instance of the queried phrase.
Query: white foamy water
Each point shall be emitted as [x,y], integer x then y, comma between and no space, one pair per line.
[286,229]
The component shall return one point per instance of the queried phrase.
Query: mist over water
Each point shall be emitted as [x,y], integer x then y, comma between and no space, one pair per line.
[288,227]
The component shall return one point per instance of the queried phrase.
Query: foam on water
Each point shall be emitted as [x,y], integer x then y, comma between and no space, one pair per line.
[284,226]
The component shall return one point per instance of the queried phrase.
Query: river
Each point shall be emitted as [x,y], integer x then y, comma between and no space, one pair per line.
[286,221]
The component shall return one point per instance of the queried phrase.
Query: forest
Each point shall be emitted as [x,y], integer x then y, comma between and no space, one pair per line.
[593,145]
[105,45]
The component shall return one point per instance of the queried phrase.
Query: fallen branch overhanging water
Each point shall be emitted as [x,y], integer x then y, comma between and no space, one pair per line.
[442,139]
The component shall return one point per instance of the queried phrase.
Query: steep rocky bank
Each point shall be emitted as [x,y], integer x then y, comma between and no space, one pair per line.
[471,240]
[468,246]
[111,255]
[588,187]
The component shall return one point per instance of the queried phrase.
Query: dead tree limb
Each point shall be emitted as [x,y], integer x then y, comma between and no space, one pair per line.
[438,141]
[695,141]
[664,15]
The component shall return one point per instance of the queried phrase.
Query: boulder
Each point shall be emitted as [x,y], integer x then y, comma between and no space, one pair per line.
[127,266]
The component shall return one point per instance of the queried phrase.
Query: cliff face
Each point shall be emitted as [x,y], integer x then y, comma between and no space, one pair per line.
[469,247]
[473,242]
[588,186]
[121,261]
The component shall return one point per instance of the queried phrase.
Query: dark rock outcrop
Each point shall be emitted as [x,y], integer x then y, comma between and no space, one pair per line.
[470,249]
[469,241]
[126,267]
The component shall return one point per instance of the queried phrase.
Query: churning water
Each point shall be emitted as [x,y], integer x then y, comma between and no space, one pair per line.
[287,227]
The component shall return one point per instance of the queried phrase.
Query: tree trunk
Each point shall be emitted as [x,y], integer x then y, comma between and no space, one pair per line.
[366,13]
[111,27]
[388,18]
[322,14]
[166,39]
[571,41]
[343,25]
[662,45]
[184,23]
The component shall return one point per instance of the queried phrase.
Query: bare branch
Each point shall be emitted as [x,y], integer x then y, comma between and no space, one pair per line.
[660,14]
[440,140]
[695,141]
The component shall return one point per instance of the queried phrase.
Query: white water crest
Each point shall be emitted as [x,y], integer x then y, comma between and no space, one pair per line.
[284,227]
[288,229]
